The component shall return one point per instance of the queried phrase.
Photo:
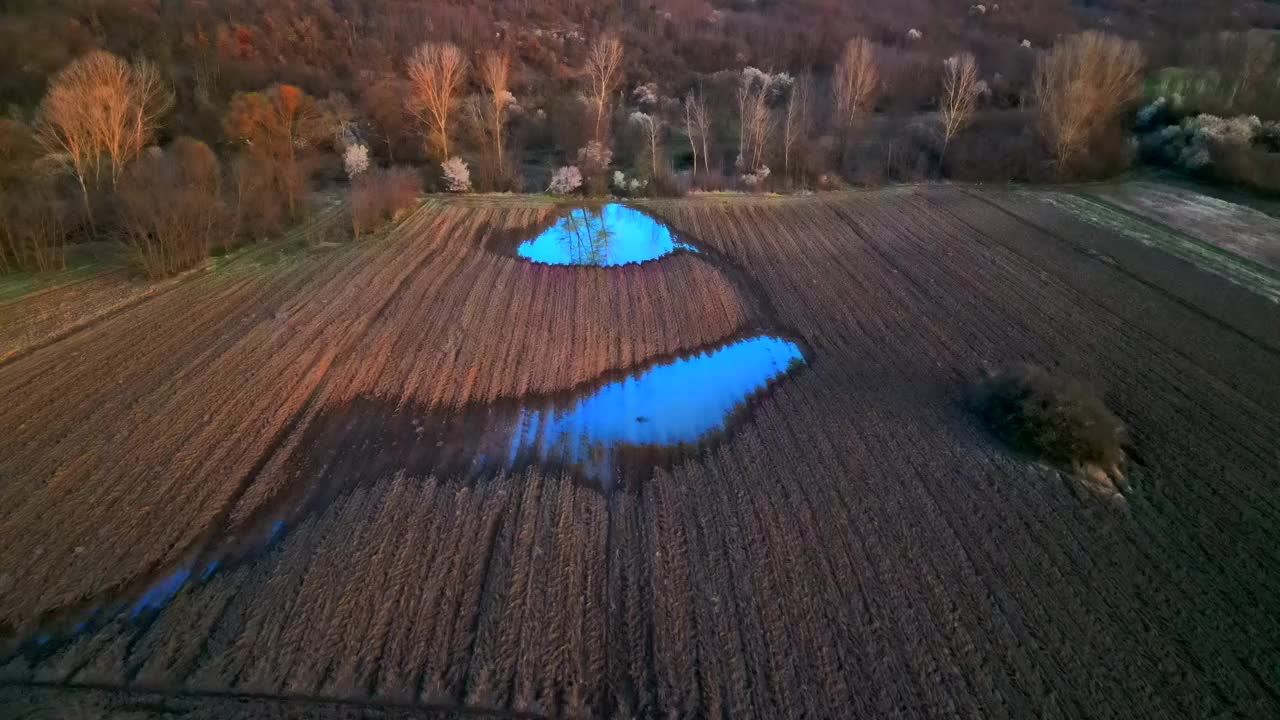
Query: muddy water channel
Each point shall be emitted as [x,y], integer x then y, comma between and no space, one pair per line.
[611,433]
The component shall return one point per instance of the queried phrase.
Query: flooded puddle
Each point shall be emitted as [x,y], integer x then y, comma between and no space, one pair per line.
[668,405]
[602,236]
[609,434]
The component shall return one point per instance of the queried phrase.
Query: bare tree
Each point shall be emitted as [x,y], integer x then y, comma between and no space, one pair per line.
[603,73]
[795,125]
[436,72]
[697,123]
[101,110]
[960,91]
[651,128]
[495,75]
[1081,87]
[756,120]
[855,81]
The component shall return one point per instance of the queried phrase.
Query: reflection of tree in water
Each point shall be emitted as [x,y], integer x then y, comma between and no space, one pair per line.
[585,237]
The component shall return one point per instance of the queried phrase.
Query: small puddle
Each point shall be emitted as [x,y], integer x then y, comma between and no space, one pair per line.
[602,236]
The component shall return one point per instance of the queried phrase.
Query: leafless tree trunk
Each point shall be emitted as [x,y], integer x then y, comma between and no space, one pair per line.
[756,122]
[651,126]
[604,72]
[855,81]
[1083,85]
[495,74]
[436,73]
[697,122]
[959,95]
[796,122]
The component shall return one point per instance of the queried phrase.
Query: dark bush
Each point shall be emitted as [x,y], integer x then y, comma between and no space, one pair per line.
[171,213]
[1110,153]
[1053,417]
[259,207]
[667,185]
[378,196]
[35,218]
[1252,166]
[999,146]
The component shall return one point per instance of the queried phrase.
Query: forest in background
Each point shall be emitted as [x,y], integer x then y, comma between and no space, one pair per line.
[259,103]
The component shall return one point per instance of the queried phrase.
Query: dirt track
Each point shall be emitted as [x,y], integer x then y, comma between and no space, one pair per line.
[856,547]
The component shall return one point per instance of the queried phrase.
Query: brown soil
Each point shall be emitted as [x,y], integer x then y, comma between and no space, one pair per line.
[859,546]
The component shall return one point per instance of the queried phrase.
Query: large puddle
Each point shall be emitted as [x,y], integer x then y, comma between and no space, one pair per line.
[602,236]
[669,405]
[609,434]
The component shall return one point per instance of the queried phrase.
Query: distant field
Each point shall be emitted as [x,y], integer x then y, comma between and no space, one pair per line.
[1229,226]
[283,485]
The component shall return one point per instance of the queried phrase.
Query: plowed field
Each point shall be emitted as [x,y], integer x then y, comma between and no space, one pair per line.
[233,496]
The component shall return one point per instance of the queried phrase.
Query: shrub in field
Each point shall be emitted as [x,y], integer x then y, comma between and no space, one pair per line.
[171,213]
[378,196]
[1053,417]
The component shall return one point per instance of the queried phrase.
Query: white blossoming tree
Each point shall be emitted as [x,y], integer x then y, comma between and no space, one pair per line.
[565,180]
[355,160]
[457,176]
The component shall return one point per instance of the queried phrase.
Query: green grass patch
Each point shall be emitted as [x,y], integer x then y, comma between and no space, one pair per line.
[1234,268]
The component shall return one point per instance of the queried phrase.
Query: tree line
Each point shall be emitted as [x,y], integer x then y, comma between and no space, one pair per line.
[144,151]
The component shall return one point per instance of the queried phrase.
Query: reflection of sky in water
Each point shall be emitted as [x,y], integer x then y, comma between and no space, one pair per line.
[680,402]
[161,593]
[610,235]
[670,404]
[153,599]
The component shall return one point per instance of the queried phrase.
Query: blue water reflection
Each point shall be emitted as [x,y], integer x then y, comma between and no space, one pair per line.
[159,595]
[668,405]
[604,236]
